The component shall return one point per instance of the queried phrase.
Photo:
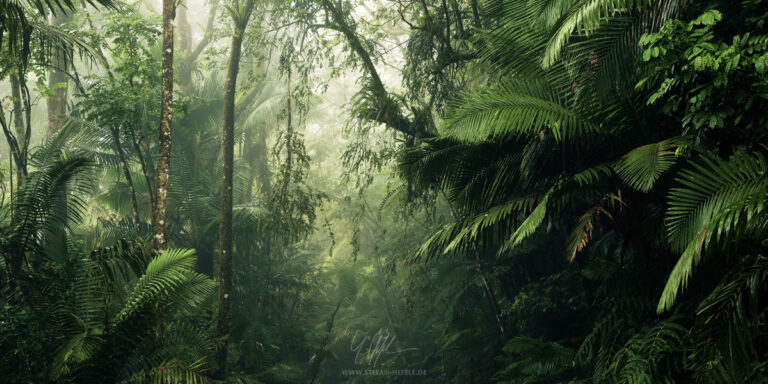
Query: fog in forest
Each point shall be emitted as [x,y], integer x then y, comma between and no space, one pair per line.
[383,191]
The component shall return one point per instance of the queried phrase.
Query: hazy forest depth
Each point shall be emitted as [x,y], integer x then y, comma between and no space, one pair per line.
[384,191]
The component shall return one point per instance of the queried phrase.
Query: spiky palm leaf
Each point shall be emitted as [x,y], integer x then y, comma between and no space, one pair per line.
[21,24]
[585,17]
[643,166]
[717,201]
[517,107]
[727,325]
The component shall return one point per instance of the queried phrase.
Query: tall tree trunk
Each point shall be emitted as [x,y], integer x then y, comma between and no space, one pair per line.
[187,66]
[146,169]
[489,294]
[228,152]
[447,25]
[128,179]
[288,139]
[57,103]
[21,105]
[459,21]
[254,146]
[185,30]
[314,369]
[476,14]
[13,152]
[184,71]
[265,174]
[166,114]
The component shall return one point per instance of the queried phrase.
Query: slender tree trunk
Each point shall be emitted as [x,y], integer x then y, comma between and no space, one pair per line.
[184,70]
[476,14]
[253,150]
[459,21]
[166,114]
[185,30]
[255,155]
[447,25]
[128,179]
[288,139]
[265,174]
[57,103]
[248,154]
[315,367]
[14,153]
[228,152]
[188,65]
[145,168]
[489,293]
[18,125]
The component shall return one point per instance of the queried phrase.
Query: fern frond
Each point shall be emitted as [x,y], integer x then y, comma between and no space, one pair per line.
[170,275]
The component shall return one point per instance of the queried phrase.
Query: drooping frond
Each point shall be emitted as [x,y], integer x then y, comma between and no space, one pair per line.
[53,196]
[516,107]
[529,225]
[21,25]
[584,17]
[513,45]
[728,320]
[718,200]
[581,234]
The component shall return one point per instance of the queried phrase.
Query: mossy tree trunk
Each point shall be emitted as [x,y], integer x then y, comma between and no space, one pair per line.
[58,80]
[164,142]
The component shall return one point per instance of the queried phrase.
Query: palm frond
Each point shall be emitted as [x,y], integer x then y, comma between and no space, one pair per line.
[718,200]
[584,17]
[516,107]
[643,166]
[581,234]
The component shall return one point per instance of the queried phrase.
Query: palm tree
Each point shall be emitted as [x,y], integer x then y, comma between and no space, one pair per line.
[564,147]
[27,39]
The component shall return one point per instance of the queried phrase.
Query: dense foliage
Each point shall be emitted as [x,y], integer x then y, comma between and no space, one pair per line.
[437,191]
